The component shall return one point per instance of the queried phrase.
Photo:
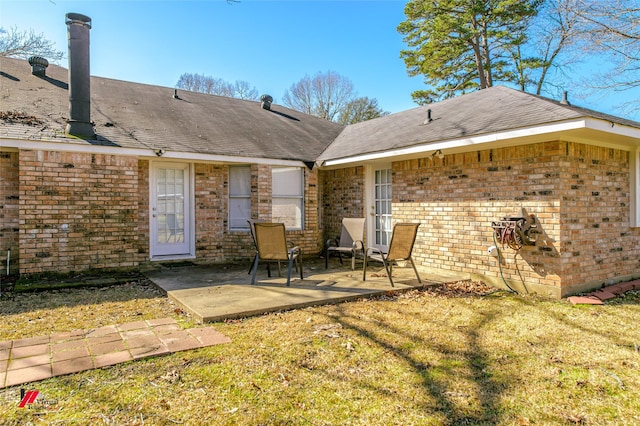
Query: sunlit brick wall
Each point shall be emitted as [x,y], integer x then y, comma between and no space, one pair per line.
[580,195]
[78,211]
[597,242]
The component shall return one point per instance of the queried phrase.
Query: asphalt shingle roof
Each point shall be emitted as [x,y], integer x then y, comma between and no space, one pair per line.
[133,115]
[487,111]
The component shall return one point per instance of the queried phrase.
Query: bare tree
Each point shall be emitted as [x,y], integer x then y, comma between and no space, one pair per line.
[360,109]
[242,90]
[552,38]
[613,28]
[217,86]
[23,44]
[324,95]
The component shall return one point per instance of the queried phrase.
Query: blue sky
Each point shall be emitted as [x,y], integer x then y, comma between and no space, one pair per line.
[270,44]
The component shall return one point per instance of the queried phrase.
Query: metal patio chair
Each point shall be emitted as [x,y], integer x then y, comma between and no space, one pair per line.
[271,246]
[351,241]
[400,249]
[252,229]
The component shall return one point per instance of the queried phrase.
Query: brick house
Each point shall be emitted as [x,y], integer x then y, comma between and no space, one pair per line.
[461,165]
[103,174]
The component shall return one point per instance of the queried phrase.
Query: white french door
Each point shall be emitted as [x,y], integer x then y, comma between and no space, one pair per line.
[379,200]
[170,208]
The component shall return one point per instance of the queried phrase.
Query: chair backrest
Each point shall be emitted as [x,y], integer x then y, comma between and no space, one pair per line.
[252,229]
[271,241]
[402,240]
[352,230]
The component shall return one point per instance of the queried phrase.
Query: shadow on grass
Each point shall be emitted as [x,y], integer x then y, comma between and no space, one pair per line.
[19,303]
[463,359]
[435,375]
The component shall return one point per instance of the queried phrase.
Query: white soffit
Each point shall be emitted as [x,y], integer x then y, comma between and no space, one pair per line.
[585,130]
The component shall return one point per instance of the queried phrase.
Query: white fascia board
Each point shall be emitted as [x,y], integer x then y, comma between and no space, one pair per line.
[70,147]
[142,153]
[589,123]
[613,128]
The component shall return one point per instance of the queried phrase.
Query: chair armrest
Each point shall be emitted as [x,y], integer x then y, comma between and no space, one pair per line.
[332,242]
[294,251]
[372,250]
[358,245]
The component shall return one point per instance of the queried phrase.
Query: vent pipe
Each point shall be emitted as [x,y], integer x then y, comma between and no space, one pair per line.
[265,101]
[79,123]
[38,65]
[565,98]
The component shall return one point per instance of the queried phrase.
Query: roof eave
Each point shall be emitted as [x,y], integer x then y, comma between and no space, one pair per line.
[622,137]
[16,144]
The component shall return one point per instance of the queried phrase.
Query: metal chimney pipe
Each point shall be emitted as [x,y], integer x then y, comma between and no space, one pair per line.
[79,123]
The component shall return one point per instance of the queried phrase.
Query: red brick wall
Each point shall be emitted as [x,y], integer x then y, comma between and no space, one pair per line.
[9,211]
[211,198]
[215,242]
[597,242]
[77,211]
[579,193]
[143,211]
[342,196]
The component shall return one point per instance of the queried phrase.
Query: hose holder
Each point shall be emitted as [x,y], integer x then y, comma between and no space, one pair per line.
[516,232]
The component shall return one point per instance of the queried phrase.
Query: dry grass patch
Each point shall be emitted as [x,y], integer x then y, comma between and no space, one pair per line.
[456,354]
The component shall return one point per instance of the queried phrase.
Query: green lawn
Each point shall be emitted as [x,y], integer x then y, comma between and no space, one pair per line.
[433,357]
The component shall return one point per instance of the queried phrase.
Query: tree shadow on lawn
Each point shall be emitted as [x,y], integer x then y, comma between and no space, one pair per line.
[436,374]
[136,289]
[461,372]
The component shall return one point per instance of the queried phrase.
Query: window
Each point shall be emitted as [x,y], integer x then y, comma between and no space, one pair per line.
[288,196]
[239,197]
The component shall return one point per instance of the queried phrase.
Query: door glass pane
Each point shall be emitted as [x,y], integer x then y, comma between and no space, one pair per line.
[170,206]
[383,206]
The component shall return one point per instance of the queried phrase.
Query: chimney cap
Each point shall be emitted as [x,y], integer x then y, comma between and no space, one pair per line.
[265,101]
[38,65]
[77,18]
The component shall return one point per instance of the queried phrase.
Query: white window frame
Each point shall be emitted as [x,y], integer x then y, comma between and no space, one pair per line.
[236,194]
[289,194]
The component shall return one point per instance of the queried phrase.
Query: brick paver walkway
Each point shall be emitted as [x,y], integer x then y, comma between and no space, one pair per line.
[38,358]
[599,296]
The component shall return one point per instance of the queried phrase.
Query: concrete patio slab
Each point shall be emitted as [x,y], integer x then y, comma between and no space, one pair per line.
[218,292]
